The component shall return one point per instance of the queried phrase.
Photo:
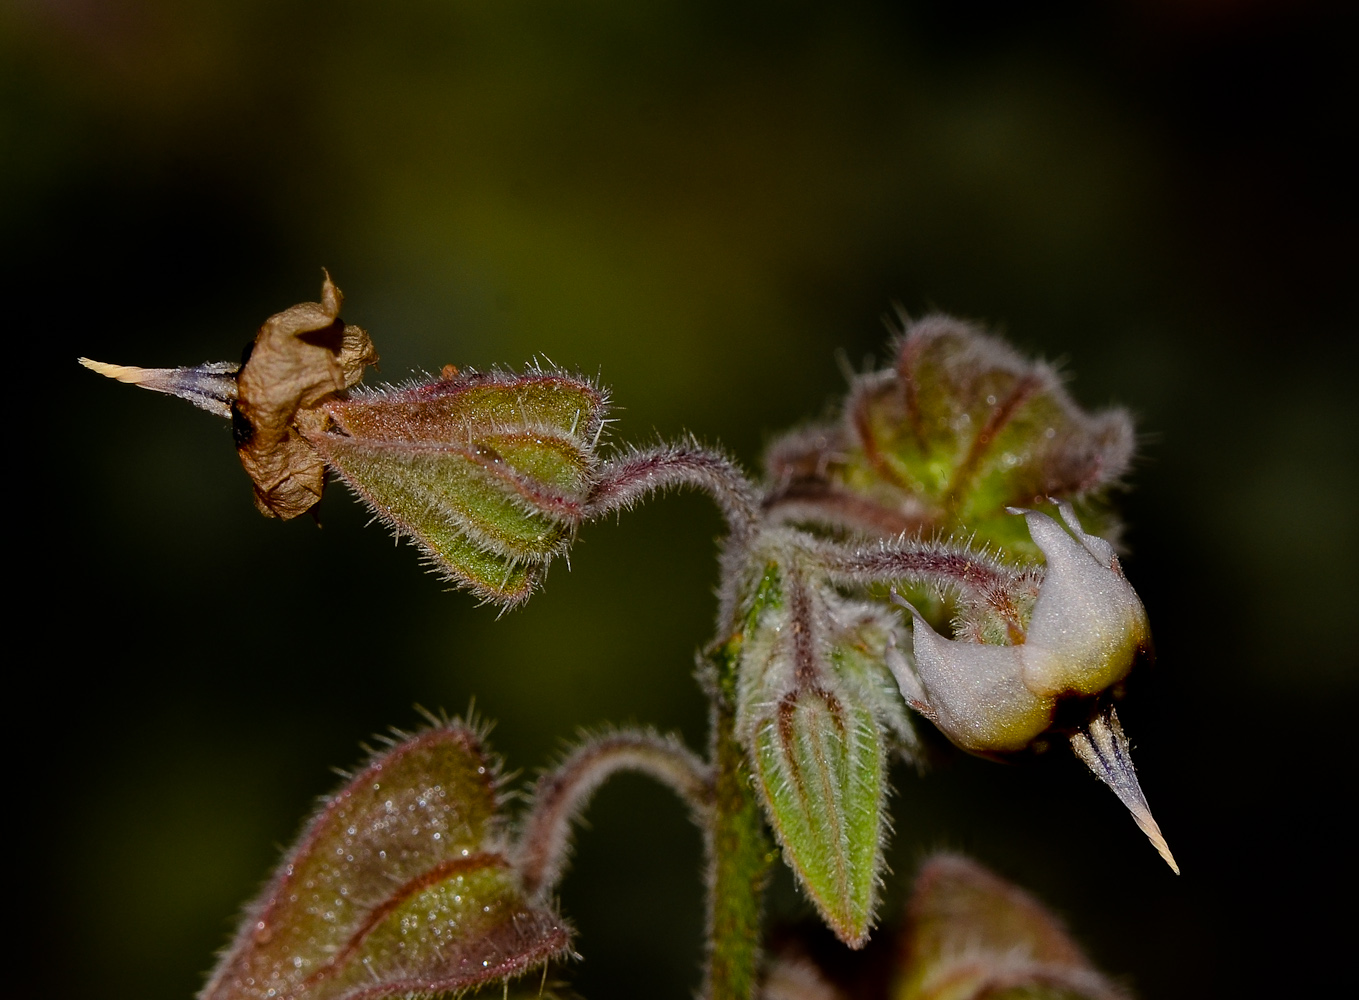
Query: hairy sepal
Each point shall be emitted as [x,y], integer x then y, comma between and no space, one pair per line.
[972,935]
[820,766]
[959,429]
[816,712]
[489,473]
[400,885]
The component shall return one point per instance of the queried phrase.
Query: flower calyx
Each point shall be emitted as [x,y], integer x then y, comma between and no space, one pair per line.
[403,884]
[960,427]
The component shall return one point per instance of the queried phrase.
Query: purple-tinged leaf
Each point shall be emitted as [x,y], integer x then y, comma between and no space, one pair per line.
[400,885]
[971,935]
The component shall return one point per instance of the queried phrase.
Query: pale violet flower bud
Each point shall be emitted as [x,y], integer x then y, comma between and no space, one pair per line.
[1086,631]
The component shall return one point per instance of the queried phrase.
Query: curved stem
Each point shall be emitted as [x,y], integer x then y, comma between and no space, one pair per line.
[561,795]
[624,481]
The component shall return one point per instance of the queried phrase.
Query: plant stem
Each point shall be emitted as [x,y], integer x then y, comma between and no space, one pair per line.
[740,851]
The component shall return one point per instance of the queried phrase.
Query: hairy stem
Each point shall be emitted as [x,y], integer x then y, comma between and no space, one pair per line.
[739,849]
[561,795]
[624,481]
[977,578]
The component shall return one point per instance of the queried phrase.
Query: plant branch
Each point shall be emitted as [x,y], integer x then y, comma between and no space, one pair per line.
[561,794]
[837,507]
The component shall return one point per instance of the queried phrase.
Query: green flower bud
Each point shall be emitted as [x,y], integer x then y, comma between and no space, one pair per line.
[960,428]
[818,712]
[488,473]
[401,885]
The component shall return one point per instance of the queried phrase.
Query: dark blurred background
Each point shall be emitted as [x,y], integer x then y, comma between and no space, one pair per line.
[703,202]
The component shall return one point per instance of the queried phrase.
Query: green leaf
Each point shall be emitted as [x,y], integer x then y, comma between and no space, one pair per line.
[399,885]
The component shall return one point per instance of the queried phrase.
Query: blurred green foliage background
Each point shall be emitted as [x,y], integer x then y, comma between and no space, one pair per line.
[708,204]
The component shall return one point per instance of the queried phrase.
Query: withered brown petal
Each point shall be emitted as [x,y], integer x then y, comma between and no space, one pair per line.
[400,885]
[300,357]
[356,353]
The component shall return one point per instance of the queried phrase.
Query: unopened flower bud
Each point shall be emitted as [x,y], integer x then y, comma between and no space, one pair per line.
[487,472]
[817,713]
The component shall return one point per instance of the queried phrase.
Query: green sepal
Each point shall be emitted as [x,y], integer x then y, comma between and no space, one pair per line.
[817,719]
[961,428]
[489,474]
[821,765]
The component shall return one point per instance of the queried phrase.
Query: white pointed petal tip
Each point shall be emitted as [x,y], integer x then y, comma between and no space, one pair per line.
[129,374]
[210,386]
[902,602]
[1104,749]
[1143,818]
